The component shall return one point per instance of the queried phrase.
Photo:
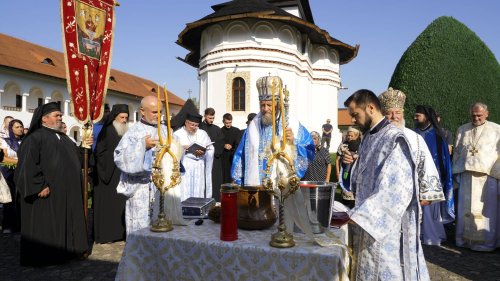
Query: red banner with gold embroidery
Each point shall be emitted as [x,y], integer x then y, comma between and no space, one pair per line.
[87,27]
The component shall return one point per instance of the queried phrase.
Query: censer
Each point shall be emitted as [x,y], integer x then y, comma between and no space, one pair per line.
[287,180]
[162,223]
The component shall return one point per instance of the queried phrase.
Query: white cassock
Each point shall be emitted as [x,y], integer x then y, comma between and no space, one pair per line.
[476,171]
[197,178]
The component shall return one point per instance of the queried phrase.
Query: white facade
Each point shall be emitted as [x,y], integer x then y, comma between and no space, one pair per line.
[252,48]
[21,92]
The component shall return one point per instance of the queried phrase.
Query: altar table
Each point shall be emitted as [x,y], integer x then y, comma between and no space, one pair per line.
[195,253]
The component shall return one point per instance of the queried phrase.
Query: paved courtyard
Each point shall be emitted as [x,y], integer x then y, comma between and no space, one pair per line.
[445,263]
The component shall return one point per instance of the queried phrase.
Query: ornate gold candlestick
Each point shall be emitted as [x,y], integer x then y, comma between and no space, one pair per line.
[162,223]
[289,183]
[282,238]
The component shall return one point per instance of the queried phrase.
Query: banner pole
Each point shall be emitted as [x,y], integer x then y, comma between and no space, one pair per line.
[86,134]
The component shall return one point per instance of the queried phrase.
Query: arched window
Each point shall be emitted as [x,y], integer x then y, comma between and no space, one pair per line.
[48,61]
[238,94]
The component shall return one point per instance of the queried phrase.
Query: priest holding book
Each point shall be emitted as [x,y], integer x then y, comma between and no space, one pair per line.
[197,159]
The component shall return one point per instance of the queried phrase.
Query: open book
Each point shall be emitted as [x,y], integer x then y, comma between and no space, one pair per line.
[197,146]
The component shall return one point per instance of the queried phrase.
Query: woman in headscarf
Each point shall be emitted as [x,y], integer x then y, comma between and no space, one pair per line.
[321,167]
[349,146]
[10,146]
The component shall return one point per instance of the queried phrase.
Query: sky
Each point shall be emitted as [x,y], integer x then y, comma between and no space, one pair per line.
[146,31]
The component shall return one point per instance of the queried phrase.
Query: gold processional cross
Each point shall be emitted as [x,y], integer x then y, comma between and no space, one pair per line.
[473,150]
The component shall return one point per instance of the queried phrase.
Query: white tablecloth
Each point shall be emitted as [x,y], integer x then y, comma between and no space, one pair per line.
[196,253]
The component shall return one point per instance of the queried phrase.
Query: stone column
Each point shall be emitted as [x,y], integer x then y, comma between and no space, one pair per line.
[24,103]
[66,107]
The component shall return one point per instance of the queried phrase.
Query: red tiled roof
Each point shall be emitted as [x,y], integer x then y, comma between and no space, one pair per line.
[343,117]
[20,54]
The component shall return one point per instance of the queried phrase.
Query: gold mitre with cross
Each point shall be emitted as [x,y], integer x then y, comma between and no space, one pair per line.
[265,87]
[392,98]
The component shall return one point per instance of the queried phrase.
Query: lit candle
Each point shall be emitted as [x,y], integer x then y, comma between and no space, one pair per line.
[167,115]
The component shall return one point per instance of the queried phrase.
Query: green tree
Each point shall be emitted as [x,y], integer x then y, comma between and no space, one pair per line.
[448,67]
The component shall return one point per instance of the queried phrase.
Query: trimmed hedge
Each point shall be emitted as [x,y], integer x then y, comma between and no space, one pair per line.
[448,67]
[333,176]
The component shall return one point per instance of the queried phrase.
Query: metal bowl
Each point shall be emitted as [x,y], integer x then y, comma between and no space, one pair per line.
[255,208]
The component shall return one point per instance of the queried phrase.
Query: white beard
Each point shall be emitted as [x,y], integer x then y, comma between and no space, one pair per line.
[120,128]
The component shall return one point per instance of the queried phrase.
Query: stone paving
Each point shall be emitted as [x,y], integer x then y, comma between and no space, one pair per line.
[445,263]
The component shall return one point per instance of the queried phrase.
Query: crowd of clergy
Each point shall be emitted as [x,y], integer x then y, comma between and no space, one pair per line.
[402,184]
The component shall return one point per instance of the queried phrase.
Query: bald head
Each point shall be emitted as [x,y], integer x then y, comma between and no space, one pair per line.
[149,109]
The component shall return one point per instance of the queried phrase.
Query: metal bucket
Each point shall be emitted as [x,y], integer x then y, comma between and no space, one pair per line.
[319,197]
[255,208]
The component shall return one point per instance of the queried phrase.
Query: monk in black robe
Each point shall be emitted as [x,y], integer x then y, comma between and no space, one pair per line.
[109,206]
[215,134]
[49,179]
[231,140]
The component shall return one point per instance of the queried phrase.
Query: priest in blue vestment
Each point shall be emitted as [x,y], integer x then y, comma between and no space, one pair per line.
[250,158]
[387,245]
[437,214]
[134,156]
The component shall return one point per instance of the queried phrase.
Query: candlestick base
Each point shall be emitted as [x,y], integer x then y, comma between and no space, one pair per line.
[282,239]
[162,224]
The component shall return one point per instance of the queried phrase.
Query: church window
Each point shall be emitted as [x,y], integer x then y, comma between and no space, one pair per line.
[238,94]
[19,101]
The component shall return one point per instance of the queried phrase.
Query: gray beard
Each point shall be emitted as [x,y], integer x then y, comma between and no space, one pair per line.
[267,119]
[120,128]
[55,128]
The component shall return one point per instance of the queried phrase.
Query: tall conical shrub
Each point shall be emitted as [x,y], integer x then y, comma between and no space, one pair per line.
[448,67]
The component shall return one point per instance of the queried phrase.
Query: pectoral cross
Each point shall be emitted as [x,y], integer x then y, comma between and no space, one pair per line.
[473,150]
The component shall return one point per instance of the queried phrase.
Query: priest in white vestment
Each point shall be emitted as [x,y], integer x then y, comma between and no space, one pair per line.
[430,187]
[476,171]
[387,209]
[197,178]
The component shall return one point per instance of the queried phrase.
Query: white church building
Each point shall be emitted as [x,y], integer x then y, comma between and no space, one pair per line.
[243,40]
[32,75]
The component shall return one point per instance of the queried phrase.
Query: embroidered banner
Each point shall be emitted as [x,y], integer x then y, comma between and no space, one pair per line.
[88,38]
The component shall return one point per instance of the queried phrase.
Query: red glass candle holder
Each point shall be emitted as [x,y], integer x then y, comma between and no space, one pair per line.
[229,212]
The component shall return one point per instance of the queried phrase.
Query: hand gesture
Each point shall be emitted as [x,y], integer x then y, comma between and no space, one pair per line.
[89,141]
[347,158]
[424,203]
[289,135]
[44,193]
[150,143]
[199,153]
